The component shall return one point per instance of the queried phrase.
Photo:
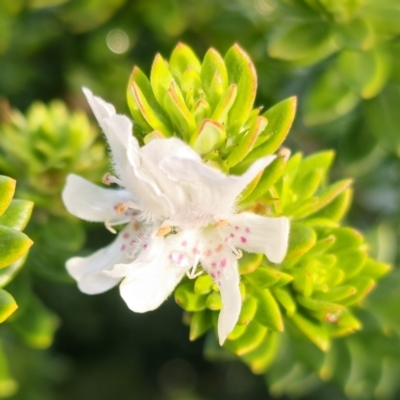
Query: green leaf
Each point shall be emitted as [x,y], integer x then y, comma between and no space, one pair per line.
[181,59]
[315,332]
[203,284]
[8,273]
[36,325]
[285,299]
[345,238]
[214,77]
[263,277]
[356,34]
[210,136]
[262,356]
[374,269]
[200,323]
[143,83]
[345,325]
[280,118]
[192,92]
[363,286]
[153,117]
[270,175]
[7,305]
[213,301]
[236,332]
[224,105]
[301,240]
[305,186]
[241,72]
[350,261]
[383,118]
[320,247]
[17,214]
[305,42]
[249,262]
[322,160]
[7,189]
[365,72]
[328,99]
[318,305]
[180,115]
[337,208]
[8,386]
[248,310]
[161,78]
[321,199]
[335,294]
[268,312]
[248,341]
[13,245]
[187,299]
[246,143]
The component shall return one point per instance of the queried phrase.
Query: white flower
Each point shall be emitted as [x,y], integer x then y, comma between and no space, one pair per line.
[167,188]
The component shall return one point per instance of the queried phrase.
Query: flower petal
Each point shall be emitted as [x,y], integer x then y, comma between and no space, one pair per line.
[231,301]
[258,234]
[212,194]
[118,131]
[220,262]
[94,203]
[88,271]
[154,274]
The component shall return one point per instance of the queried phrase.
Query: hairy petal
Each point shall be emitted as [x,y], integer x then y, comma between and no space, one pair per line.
[221,263]
[257,234]
[88,271]
[212,193]
[118,132]
[93,203]
[152,277]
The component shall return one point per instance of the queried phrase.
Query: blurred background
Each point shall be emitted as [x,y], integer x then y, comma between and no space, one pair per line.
[340,57]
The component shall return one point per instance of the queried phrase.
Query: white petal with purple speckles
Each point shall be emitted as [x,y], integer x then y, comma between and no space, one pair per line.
[94,203]
[149,283]
[218,259]
[88,271]
[257,234]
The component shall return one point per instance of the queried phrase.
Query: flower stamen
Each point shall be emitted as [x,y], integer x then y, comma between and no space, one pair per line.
[163,230]
[221,223]
[109,227]
[121,207]
[108,179]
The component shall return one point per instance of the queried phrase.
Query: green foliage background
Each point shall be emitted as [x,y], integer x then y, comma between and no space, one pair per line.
[341,58]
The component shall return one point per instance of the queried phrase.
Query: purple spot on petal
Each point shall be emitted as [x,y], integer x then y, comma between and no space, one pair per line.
[236,227]
[247,230]
[232,235]
[123,247]
[213,264]
[145,246]
[125,235]
[243,239]
[223,263]
[184,243]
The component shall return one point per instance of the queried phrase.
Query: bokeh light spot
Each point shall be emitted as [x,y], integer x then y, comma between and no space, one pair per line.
[117,41]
